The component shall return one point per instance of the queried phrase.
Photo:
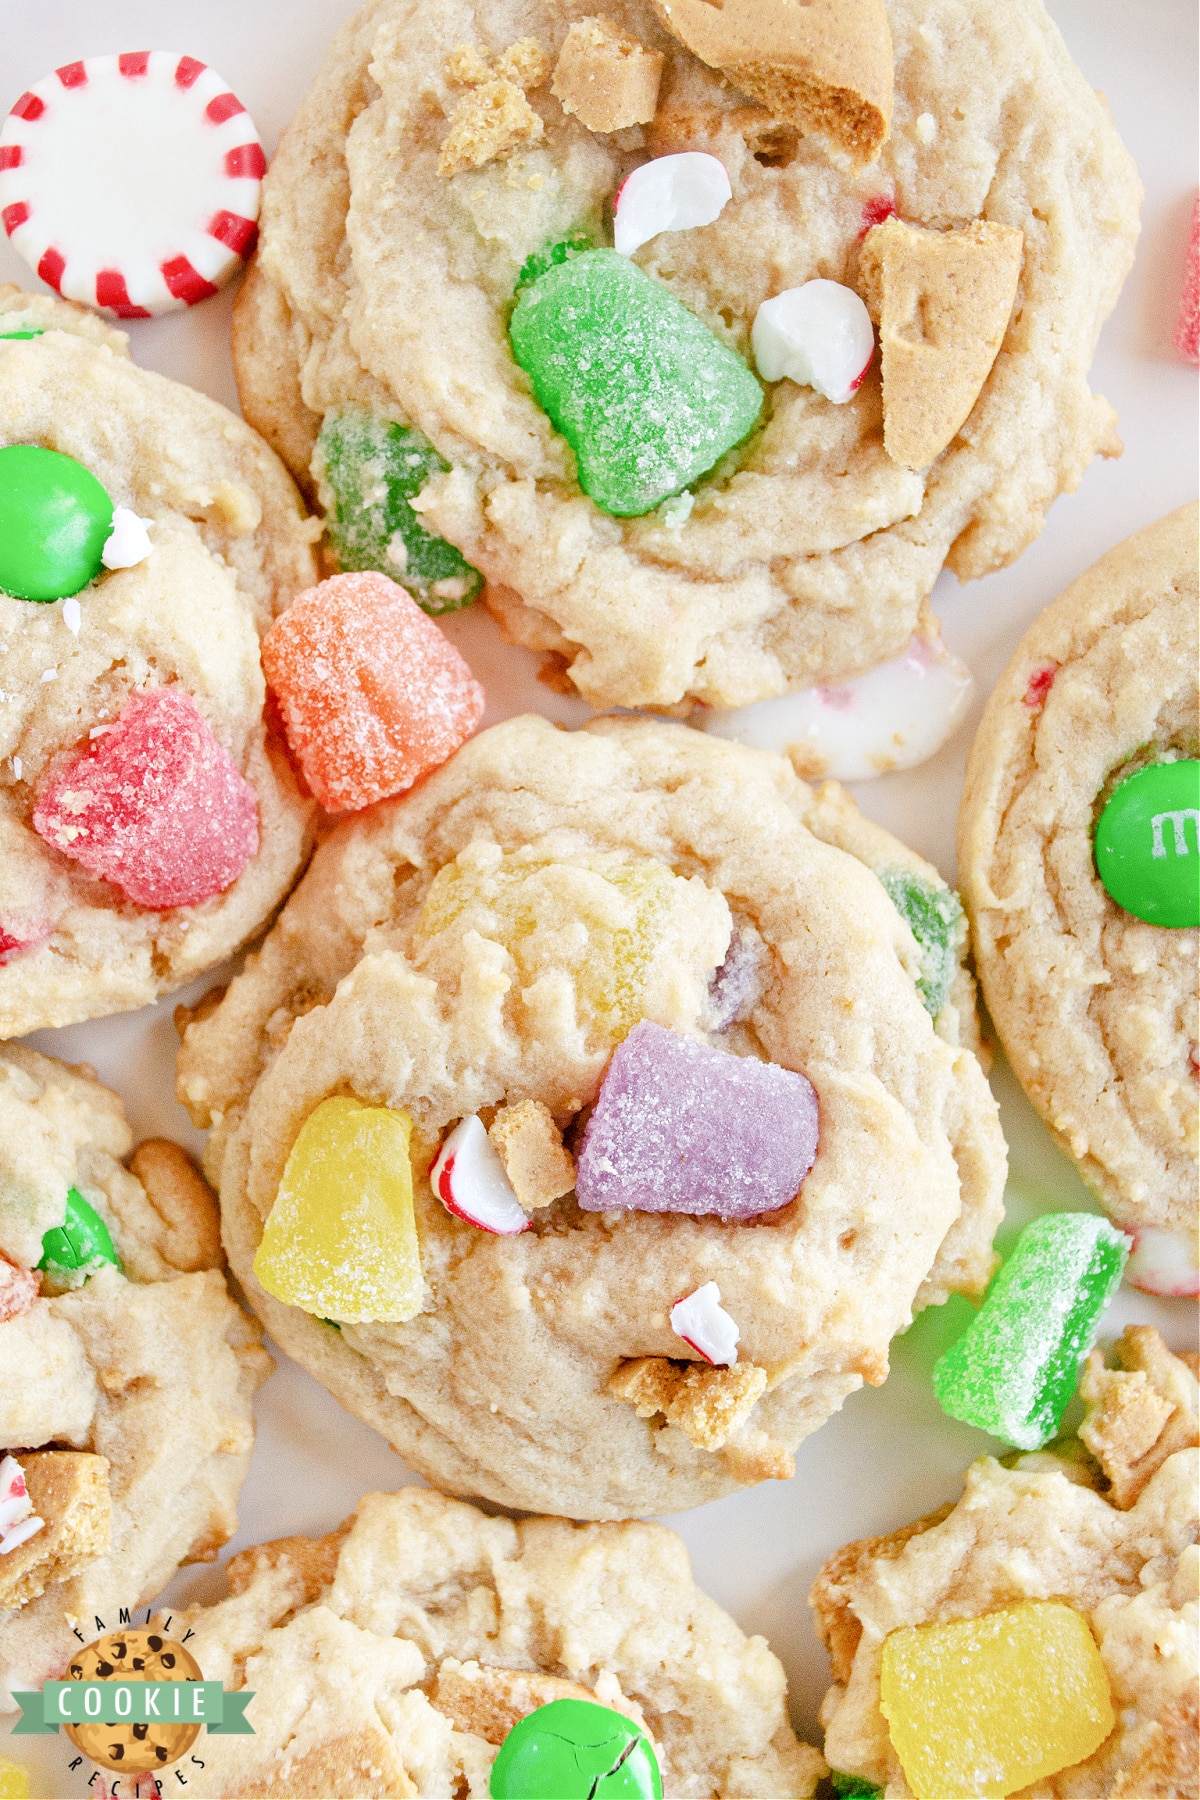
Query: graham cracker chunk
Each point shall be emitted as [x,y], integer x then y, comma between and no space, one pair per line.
[488,1702]
[606,78]
[942,301]
[494,117]
[825,66]
[530,1146]
[707,1404]
[69,1489]
[1139,1413]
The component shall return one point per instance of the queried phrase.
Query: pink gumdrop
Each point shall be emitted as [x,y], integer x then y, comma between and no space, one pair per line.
[156,805]
[1187,332]
[682,1127]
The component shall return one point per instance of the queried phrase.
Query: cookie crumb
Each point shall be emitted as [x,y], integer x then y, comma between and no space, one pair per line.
[708,1405]
[539,1166]
[1138,1413]
[942,301]
[605,77]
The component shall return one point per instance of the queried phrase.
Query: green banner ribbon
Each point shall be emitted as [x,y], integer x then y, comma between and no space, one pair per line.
[132,1703]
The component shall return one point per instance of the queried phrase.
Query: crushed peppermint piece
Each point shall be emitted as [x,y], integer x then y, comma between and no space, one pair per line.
[18,1521]
[701,1321]
[1164,1262]
[72,615]
[819,336]
[469,1180]
[129,541]
[671,193]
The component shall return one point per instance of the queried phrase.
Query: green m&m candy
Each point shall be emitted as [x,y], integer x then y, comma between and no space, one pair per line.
[82,1241]
[576,1750]
[34,331]
[55,519]
[1148,844]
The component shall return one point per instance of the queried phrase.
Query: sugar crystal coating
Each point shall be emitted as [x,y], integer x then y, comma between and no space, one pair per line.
[156,805]
[646,396]
[1016,1365]
[372,695]
[341,1238]
[989,1705]
[935,918]
[682,1127]
[374,469]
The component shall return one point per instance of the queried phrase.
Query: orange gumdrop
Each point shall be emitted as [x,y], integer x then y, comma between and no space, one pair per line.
[371,692]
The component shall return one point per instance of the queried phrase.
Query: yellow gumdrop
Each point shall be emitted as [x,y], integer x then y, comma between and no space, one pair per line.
[14,1782]
[985,1706]
[341,1238]
[603,919]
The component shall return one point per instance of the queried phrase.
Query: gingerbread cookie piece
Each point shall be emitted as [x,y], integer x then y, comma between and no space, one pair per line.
[399,1653]
[148,823]
[1029,1555]
[1096,1003]
[564,919]
[144,1367]
[769,542]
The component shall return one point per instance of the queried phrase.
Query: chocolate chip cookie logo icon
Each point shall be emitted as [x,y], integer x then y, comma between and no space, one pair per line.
[134,1701]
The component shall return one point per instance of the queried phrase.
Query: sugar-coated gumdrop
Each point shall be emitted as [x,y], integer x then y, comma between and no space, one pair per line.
[156,805]
[670,193]
[551,255]
[987,1706]
[1187,331]
[935,918]
[14,1781]
[646,396]
[575,1750]
[374,469]
[819,336]
[681,1127]
[1148,844]
[372,694]
[55,519]
[341,1238]
[736,987]
[519,900]
[82,1241]
[1016,1365]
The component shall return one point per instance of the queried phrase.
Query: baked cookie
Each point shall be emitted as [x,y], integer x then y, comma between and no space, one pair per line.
[473,952]
[1096,1005]
[807,550]
[1090,1547]
[148,823]
[128,1371]
[395,1655]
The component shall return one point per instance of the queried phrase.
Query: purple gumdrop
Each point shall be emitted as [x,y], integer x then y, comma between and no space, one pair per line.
[737,986]
[681,1127]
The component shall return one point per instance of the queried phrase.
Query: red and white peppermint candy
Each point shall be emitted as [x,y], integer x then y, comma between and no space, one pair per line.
[132,183]
[469,1180]
[1164,1262]
[701,1321]
[819,336]
[18,1521]
[672,193]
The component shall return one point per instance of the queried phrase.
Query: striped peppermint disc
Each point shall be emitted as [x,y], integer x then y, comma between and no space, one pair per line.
[132,183]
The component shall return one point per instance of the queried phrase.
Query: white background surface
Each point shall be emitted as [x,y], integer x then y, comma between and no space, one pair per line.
[890,1454]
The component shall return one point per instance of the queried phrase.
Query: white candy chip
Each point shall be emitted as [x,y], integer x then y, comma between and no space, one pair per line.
[128,541]
[469,1180]
[72,614]
[819,336]
[18,1521]
[672,193]
[893,717]
[701,1321]
[1164,1262]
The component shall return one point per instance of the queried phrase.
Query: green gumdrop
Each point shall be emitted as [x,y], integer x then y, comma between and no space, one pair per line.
[646,396]
[81,1241]
[1148,844]
[551,255]
[373,469]
[55,519]
[935,918]
[853,1787]
[1015,1367]
[575,1750]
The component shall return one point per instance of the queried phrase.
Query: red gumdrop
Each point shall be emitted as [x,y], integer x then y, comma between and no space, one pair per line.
[372,694]
[1040,683]
[1187,332]
[156,805]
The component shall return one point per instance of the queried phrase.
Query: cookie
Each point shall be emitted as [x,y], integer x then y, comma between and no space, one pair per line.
[805,552]
[1072,1535]
[1096,1006]
[485,943]
[128,1371]
[396,1654]
[143,677]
